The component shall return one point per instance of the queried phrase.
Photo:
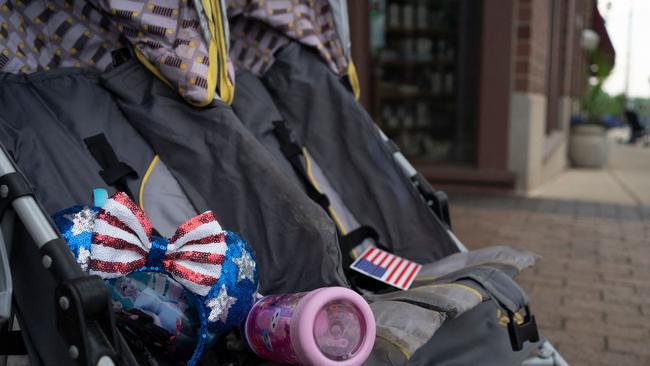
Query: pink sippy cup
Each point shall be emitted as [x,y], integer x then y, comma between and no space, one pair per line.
[331,326]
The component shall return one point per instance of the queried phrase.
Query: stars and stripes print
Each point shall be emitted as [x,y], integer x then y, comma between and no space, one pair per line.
[123,242]
[386,267]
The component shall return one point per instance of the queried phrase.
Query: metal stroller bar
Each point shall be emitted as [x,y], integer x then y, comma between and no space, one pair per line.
[84,318]
[436,200]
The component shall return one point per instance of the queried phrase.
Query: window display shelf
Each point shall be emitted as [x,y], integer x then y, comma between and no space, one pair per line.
[417,77]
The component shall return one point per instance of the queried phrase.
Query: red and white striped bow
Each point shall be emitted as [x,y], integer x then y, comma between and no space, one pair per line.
[123,241]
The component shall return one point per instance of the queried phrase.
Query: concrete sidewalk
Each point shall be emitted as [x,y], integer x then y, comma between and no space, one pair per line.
[591,290]
[625,180]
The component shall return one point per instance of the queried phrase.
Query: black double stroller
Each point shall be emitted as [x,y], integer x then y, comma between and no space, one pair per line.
[282,153]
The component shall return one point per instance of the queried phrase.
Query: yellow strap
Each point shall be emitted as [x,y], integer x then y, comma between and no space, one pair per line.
[354,80]
[226,89]
[145,179]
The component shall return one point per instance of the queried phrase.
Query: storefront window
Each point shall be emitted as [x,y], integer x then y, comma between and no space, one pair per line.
[420,71]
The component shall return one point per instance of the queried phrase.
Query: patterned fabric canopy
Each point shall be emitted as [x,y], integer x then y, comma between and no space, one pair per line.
[183,42]
[261,27]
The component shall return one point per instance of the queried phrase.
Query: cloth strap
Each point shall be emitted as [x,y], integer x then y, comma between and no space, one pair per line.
[293,153]
[114,172]
[12,343]
[495,282]
[356,237]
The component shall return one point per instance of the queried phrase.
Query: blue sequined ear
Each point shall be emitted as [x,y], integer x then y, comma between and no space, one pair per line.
[76,225]
[230,299]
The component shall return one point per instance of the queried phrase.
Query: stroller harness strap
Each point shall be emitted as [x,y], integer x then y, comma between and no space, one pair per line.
[114,172]
[293,153]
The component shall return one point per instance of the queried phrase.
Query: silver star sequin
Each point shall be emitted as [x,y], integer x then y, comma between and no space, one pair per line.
[83,258]
[83,220]
[220,305]
[246,266]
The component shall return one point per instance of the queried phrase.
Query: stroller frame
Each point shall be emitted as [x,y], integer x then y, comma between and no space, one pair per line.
[84,317]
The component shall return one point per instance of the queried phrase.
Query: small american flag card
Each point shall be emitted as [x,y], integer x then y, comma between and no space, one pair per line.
[388,268]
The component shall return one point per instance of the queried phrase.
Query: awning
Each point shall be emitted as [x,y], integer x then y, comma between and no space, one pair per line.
[605,46]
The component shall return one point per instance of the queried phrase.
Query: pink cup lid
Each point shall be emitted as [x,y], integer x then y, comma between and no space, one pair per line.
[336,327]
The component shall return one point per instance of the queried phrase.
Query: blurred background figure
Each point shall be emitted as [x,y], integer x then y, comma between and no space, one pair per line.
[637,130]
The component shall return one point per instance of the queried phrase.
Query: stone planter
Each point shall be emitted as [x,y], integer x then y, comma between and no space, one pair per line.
[588,146]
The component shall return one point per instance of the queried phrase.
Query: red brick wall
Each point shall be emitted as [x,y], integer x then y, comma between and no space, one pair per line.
[531,45]
[532,27]
[578,76]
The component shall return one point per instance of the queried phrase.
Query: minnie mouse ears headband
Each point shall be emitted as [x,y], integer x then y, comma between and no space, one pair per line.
[214,265]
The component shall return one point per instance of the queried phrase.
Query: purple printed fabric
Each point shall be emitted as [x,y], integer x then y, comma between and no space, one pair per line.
[168,34]
[172,37]
[41,35]
[254,44]
[309,22]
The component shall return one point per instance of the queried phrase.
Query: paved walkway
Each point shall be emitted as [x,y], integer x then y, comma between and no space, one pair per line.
[625,180]
[591,291]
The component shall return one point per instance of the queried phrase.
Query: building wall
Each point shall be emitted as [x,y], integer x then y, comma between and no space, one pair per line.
[528,101]
[550,77]
[531,44]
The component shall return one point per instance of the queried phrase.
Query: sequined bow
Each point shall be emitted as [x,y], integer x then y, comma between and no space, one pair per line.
[123,242]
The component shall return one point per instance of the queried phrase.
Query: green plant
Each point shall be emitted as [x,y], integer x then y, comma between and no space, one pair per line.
[597,102]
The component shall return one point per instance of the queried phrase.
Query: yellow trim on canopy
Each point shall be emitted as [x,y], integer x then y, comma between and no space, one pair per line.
[215,23]
[226,88]
[145,179]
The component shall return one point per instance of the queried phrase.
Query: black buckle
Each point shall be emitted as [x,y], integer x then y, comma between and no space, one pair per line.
[86,321]
[114,172]
[520,333]
[437,201]
[291,150]
[12,343]
[121,56]
[288,147]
